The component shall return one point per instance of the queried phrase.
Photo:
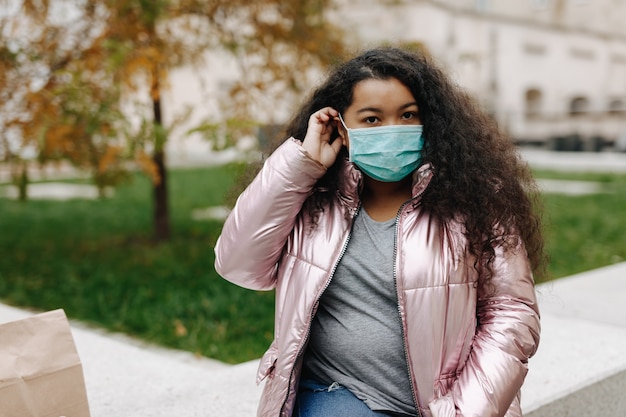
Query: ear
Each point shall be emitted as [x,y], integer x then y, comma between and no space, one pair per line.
[343,134]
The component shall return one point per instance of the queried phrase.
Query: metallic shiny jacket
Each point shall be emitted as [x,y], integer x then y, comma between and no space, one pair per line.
[467,349]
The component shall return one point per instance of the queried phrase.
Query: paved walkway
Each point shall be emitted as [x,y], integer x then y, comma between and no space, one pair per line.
[583,341]
[575,161]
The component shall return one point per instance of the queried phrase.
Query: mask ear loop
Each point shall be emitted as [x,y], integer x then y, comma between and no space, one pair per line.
[347,133]
[343,123]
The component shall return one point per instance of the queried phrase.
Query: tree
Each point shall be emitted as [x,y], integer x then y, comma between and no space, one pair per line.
[57,101]
[280,39]
[137,43]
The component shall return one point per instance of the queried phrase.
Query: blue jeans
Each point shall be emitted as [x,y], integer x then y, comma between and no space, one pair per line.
[320,400]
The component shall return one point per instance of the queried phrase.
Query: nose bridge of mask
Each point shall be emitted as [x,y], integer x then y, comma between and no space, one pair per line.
[378,130]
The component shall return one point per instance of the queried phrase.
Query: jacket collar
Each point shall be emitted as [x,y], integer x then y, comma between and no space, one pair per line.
[351,183]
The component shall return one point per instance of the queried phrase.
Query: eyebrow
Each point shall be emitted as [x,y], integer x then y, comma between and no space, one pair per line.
[377,110]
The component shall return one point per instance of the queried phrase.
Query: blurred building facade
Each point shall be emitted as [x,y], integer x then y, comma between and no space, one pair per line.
[548,70]
[551,72]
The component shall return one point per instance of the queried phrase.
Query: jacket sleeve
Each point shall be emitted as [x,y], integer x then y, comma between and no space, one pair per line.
[507,335]
[255,232]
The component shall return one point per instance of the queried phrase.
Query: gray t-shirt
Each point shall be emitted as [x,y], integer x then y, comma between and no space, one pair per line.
[356,335]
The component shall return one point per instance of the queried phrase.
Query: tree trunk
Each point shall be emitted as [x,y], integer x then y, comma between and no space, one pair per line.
[22,182]
[161,207]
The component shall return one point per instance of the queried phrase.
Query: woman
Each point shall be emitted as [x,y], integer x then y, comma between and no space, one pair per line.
[396,226]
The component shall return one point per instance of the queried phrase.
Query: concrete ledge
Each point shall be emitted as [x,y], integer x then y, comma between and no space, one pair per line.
[602,398]
[580,368]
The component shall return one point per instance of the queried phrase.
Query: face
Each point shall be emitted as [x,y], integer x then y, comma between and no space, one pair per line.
[380,103]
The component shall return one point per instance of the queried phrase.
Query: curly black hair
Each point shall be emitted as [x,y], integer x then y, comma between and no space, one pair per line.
[478,174]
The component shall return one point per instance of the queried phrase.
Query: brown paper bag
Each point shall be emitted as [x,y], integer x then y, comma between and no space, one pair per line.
[40,372]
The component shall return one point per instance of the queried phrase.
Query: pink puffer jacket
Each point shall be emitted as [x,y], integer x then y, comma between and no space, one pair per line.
[467,350]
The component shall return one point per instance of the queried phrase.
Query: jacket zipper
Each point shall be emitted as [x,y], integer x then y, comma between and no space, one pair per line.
[395,283]
[308,333]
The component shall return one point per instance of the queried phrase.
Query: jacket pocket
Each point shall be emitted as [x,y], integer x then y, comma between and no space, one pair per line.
[444,383]
[443,407]
[267,363]
[443,404]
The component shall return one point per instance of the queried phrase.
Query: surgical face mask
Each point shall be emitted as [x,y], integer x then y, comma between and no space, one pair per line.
[386,153]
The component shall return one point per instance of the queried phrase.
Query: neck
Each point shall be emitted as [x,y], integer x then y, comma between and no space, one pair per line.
[382,200]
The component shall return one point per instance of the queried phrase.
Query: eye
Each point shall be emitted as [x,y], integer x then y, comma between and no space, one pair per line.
[371,120]
[409,115]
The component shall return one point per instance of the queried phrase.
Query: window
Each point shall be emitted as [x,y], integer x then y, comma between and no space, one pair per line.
[617,106]
[541,4]
[533,102]
[581,53]
[534,49]
[618,58]
[482,5]
[578,106]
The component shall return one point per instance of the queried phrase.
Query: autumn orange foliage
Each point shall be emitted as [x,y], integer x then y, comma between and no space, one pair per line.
[67,78]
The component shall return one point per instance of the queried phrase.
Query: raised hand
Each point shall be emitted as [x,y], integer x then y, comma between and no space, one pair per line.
[317,141]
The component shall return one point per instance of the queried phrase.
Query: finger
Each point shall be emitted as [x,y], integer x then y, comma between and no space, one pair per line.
[319,118]
[324,117]
[336,145]
[323,122]
[331,111]
[327,113]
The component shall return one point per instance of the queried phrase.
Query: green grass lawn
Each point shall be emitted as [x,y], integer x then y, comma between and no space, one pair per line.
[95,260]
[588,231]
